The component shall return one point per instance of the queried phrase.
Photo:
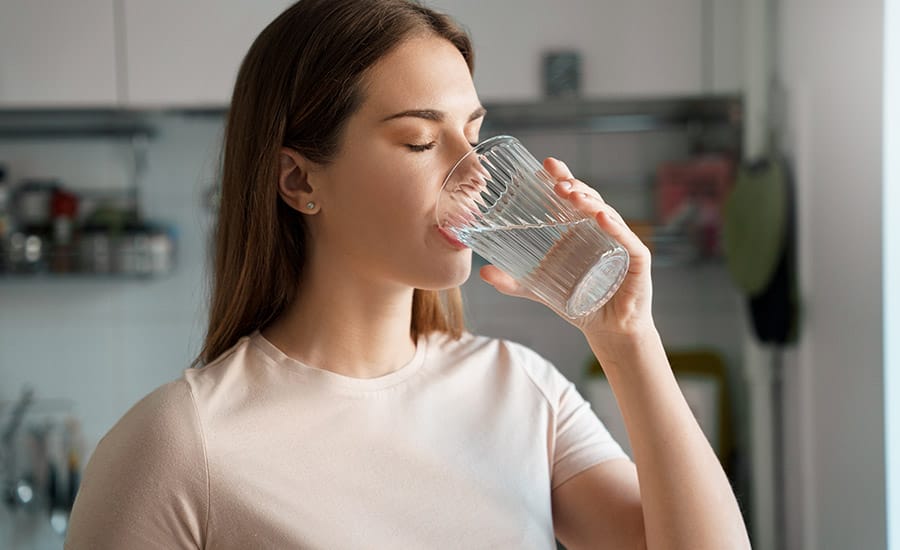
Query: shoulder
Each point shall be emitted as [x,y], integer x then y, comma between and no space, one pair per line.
[162,429]
[160,433]
[160,419]
[145,484]
[233,373]
[171,412]
[163,435]
[506,357]
[471,344]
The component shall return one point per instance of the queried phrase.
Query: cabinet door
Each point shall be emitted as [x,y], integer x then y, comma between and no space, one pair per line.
[57,53]
[726,37]
[628,48]
[186,54]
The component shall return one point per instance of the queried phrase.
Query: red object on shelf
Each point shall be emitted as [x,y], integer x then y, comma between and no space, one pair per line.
[63,209]
[63,204]
[695,191]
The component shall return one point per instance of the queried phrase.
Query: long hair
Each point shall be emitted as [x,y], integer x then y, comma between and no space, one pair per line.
[296,87]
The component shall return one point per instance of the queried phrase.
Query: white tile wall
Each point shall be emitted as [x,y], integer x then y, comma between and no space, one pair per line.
[105,343]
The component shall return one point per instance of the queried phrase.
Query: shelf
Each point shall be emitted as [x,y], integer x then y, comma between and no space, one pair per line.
[48,277]
[73,124]
[109,255]
[613,116]
[609,115]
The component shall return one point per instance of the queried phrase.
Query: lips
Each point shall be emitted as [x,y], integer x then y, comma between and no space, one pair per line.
[451,240]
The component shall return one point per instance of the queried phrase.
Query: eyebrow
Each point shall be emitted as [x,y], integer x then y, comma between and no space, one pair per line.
[431,114]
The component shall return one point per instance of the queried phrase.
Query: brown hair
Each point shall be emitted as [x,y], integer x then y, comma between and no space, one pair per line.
[297,86]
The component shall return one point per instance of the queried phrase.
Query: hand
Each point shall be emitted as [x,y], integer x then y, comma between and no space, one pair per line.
[628,312]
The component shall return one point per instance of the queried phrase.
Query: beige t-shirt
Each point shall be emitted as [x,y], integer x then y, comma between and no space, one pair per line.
[460,448]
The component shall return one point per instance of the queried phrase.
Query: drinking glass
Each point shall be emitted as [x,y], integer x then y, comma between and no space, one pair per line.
[499,201]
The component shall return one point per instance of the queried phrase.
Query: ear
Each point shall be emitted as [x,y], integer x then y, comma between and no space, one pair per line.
[294,182]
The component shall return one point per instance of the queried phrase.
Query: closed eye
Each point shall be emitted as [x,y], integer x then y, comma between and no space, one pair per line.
[427,146]
[421,148]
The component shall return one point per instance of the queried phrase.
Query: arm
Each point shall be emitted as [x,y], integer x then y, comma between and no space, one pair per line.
[686,498]
[582,520]
[678,496]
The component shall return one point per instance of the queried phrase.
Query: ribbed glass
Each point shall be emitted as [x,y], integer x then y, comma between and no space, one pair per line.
[499,201]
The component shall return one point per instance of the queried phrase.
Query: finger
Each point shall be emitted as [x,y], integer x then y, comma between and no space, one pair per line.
[560,171]
[566,187]
[591,205]
[503,282]
[619,230]
[557,168]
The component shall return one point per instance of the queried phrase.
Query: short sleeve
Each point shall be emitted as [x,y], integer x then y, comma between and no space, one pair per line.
[581,438]
[146,484]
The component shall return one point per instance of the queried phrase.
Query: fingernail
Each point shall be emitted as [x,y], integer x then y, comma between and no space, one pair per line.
[566,184]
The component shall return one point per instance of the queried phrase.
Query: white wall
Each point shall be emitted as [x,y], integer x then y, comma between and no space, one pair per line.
[892,266]
[831,63]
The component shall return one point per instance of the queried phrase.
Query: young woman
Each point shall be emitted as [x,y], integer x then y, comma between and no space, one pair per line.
[338,401]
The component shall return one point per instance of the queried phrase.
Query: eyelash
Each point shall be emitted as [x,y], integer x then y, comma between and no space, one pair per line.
[427,146]
[421,148]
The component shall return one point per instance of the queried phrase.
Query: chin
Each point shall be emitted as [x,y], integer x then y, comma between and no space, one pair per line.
[450,275]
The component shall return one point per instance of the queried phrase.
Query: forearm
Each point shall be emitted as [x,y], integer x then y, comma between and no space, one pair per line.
[686,497]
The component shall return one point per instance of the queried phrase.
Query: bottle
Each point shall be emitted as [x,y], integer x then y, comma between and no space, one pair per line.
[32,241]
[63,210]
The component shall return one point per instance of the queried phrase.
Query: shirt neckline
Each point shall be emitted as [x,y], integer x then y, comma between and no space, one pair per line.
[341,382]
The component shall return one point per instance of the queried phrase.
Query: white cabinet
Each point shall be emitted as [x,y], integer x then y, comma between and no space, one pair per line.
[725,57]
[57,53]
[177,53]
[181,53]
[629,48]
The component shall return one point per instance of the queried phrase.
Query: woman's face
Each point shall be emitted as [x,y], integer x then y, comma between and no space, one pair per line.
[419,115]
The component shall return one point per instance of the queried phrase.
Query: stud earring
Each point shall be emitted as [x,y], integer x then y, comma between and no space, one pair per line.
[310,205]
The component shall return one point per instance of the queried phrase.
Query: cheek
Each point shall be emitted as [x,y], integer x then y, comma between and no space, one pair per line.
[378,183]
[402,190]
[382,202]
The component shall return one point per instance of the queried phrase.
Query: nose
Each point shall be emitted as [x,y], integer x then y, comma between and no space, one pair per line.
[469,177]
[465,191]
[458,153]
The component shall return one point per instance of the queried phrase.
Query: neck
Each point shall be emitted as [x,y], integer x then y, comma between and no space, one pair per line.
[361,331]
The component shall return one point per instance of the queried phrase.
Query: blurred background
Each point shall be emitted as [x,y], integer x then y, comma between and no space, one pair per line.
[753,145]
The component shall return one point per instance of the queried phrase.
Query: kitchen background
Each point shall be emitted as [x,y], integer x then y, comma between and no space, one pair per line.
[111,118]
